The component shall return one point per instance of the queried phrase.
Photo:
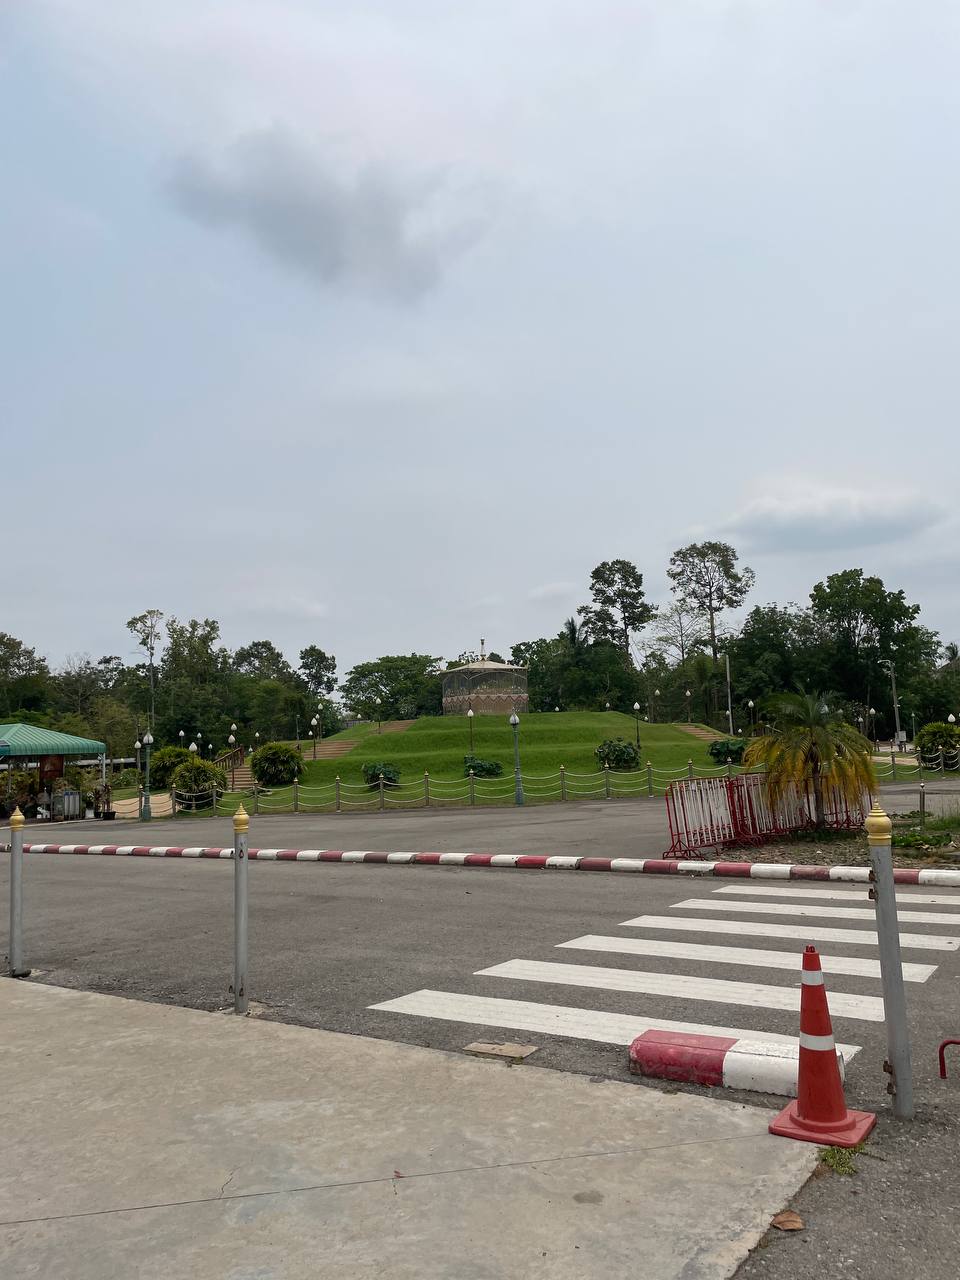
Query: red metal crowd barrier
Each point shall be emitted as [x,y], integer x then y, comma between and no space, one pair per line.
[714,812]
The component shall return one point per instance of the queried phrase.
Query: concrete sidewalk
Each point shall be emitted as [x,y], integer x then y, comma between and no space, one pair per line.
[157,1142]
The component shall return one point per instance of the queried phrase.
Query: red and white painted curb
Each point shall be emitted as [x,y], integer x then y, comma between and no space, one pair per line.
[719,1061]
[523,861]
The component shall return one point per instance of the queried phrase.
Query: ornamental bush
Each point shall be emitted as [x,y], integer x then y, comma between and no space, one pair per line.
[276,764]
[373,770]
[482,768]
[724,749]
[936,736]
[163,763]
[618,754]
[197,775]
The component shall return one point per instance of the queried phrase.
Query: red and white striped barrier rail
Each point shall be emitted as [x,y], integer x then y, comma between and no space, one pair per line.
[520,861]
[721,1062]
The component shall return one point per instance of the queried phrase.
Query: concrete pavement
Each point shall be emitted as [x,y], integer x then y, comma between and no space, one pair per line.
[156,1142]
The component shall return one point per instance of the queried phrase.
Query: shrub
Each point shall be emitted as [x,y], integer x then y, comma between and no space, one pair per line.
[373,770]
[936,736]
[163,763]
[618,754]
[129,778]
[197,775]
[482,768]
[276,764]
[724,749]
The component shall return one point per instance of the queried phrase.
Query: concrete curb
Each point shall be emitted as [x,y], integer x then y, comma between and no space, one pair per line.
[523,861]
[719,1062]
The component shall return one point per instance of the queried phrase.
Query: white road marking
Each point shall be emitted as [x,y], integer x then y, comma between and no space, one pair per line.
[563,1020]
[804,909]
[807,933]
[681,987]
[844,895]
[746,956]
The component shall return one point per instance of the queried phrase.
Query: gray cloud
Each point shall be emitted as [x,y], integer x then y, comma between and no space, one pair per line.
[822,519]
[369,231]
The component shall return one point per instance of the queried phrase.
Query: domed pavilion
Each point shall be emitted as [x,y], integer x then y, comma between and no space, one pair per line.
[486,688]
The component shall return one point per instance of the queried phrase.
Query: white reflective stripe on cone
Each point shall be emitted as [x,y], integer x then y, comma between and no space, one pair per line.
[811,977]
[820,1043]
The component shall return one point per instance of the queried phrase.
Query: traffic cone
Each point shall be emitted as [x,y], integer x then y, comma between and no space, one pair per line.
[819,1111]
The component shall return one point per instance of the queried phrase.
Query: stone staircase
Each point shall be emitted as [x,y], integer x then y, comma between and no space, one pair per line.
[700,731]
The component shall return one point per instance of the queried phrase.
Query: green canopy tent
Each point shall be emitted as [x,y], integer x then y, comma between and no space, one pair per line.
[28,742]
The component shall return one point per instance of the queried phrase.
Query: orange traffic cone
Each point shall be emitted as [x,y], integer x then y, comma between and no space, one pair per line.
[819,1111]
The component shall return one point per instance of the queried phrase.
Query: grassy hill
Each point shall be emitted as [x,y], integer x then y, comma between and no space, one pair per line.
[547,741]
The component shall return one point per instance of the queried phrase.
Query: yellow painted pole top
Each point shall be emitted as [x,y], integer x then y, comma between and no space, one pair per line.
[17,820]
[241,820]
[878,825]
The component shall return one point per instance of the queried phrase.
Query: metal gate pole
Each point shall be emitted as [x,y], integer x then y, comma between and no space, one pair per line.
[879,833]
[649,778]
[17,969]
[241,826]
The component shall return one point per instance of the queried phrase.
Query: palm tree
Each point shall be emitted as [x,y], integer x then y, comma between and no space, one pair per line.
[807,745]
[574,636]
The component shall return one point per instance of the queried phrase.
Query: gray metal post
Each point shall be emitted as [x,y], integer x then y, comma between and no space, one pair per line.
[893,763]
[336,791]
[923,804]
[241,825]
[942,770]
[517,776]
[381,791]
[256,798]
[689,768]
[606,781]
[649,778]
[563,783]
[426,788]
[473,789]
[879,830]
[729,767]
[17,969]
[296,797]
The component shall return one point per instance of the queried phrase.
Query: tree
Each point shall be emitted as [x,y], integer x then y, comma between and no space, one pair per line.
[808,745]
[23,676]
[145,627]
[276,764]
[78,682]
[706,579]
[678,632]
[318,669]
[262,658]
[407,685]
[619,607]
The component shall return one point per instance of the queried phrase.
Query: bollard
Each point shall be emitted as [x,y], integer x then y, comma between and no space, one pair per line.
[336,792]
[139,804]
[17,969]
[473,789]
[296,797]
[923,804]
[690,769]
[563,783]
[649,778]
[241,826]
[606,780]
[942,770]
[729,767]
[879,830]
[256,798]
[893,764]
[381,792]
[426,788]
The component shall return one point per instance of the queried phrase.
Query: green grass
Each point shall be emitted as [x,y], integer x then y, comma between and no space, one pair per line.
[548,740]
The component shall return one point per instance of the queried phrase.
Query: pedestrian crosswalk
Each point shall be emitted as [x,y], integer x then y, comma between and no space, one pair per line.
[686,968]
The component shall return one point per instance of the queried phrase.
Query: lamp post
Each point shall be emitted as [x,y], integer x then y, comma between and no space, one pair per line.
[379,702]
[872,714]
[608,706]
[470,723]
[257,737]
[314,722]
[687,696]
[145,812]
[750,708]
[888,663]
[656,698]
[193,748]
[232,741]
[636,716]
[210,749]
[517,779]
[181,736]
[319,723]
[136,747]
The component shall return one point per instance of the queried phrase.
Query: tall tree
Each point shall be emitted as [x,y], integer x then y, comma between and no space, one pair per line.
[678,632]
[262,658]
[705,577]
[23,675]
[145,627]
[407,685]
[319,669]
[619,607]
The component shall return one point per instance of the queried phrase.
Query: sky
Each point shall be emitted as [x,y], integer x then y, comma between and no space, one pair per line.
[377,326]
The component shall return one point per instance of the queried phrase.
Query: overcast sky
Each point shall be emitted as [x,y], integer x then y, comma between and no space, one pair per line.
[377,325]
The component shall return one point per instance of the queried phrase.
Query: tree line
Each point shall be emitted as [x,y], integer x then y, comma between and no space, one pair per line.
[618,649]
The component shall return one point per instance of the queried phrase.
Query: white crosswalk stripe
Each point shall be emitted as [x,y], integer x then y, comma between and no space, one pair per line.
[803,932]
[732,942]
[805,909]
[745,956]
[845,895]
[681,986]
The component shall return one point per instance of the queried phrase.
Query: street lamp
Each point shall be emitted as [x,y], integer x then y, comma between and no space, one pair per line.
[608,706]
[314,722]
[888,663]
[210,749]
[636,716]
[145,813]
[517,779]
[687,696]
[750,705]
[656,696]
[136,747]
[379,703]
[319,724]
[470,723]
[181,736]
[257,736]
[951,718]
[193,748]
[233,759]
[872,714]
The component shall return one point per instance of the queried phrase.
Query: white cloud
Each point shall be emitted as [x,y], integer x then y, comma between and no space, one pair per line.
[819,518]
[553,591]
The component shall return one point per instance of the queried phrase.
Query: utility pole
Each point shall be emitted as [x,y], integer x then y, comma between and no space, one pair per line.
[896,704]
[729,699]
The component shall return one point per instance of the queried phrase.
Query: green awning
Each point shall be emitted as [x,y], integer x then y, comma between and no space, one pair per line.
[30,740]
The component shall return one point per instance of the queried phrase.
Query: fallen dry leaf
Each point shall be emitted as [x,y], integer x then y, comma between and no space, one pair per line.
[788,1221]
